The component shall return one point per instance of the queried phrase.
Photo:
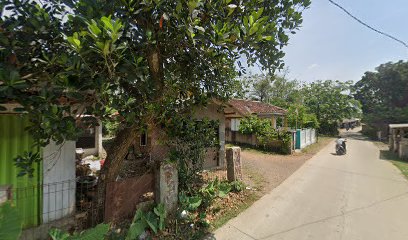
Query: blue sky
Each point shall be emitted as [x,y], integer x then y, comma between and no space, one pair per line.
[331,45]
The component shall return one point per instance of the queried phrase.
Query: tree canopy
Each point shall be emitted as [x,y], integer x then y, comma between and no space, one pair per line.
[144,60]
[331,102]
[384,94]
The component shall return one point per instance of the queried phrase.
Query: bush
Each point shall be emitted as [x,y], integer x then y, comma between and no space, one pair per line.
[327,128]
[286,138]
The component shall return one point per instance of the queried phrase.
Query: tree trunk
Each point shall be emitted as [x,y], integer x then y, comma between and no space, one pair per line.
[155,62]
[127,136]
[113,163]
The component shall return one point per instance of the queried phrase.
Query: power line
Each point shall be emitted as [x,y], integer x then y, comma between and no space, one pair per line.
[368,26]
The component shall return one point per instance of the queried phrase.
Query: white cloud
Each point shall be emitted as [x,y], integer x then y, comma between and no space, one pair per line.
[314,65]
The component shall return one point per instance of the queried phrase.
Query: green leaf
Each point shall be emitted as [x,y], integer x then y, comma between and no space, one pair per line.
[136,229]
[199,28]
[94,28]
[107,22]
[58,234]
[194,202]
[151,220]
[10,222]
[97,232]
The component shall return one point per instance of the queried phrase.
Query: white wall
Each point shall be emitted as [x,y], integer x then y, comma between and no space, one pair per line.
[307,137]
[58,181]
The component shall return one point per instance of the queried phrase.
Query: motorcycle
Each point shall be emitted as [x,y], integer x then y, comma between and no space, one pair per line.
[341,149]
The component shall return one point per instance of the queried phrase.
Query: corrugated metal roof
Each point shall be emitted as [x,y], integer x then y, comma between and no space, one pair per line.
[14,140]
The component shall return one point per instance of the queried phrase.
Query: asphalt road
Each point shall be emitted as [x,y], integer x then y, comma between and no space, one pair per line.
[356,196]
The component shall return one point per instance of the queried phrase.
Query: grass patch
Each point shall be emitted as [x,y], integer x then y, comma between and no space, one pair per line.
[250,148]
[249,197]
[316,147]
[394,158]
[401,165]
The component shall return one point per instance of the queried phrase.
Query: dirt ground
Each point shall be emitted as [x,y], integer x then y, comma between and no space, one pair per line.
[267,170]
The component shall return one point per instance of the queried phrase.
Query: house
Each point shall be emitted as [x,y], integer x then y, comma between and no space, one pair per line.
[151,142]
[240,108]
[50,194]
[398,139]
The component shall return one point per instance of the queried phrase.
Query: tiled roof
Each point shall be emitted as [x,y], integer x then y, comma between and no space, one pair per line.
[248,107]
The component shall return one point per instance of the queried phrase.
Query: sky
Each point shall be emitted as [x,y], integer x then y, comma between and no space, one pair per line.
[332,45]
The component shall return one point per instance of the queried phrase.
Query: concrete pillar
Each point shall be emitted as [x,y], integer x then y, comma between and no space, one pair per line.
[234,169]
[167,186]
[273,121]
[221,153]
[98,139]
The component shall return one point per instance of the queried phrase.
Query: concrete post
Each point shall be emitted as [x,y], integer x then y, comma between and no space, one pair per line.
[167,186]
[234,170]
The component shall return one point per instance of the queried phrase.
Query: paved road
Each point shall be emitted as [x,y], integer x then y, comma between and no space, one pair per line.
[354,197]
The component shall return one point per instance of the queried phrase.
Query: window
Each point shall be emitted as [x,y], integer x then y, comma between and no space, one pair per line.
[235,124]
[143,139]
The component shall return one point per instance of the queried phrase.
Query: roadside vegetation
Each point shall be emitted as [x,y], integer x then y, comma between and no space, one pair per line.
[383,95]
[320,105]
[386,154]
[322,142]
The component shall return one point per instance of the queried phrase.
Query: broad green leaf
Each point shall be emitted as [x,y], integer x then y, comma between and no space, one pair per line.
[136,229]
[107,22]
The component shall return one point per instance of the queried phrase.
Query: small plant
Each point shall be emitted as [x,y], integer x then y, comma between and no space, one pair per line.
[153,220]
[25,163]
[237,186]
[98,232]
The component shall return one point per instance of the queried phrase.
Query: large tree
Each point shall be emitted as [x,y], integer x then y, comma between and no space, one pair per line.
[331,102]
[142,59]
[384,94]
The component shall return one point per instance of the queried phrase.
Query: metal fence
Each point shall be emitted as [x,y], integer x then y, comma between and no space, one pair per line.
[66,204]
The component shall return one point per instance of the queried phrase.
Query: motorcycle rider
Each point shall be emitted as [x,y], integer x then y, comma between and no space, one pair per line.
[341,142]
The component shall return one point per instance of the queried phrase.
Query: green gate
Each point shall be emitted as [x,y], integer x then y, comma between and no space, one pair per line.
[26,192]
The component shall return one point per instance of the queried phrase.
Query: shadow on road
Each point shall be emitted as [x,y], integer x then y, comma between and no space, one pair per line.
[388,155]
[355,136]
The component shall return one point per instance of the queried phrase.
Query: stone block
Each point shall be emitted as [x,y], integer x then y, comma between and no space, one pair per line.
[234,167]
[167,186]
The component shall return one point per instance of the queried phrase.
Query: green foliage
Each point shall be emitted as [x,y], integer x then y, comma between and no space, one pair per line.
[189,203]
[98,232]
[286,138]
[383,94]
[261,128]
[331,102]
[258,126]
[188,141]
[197,203]
[153,220]
[61,59]
[298,117]
[10,222]
[25,163]
[237,186]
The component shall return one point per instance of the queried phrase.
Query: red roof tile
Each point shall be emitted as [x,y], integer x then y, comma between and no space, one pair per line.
[248,107]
